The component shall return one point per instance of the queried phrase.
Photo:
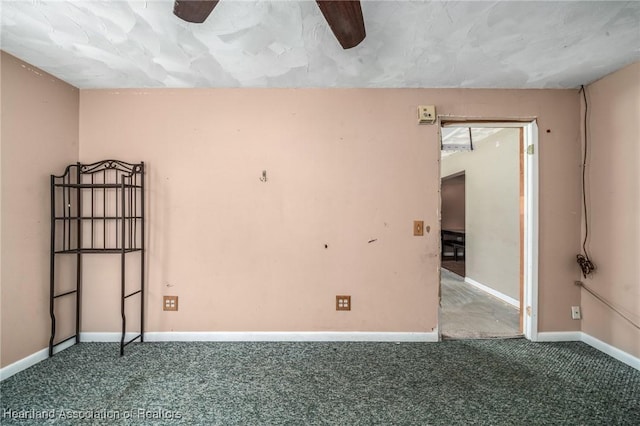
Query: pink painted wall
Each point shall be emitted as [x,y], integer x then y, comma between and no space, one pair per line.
[614,202]
[39,137]
[344,166]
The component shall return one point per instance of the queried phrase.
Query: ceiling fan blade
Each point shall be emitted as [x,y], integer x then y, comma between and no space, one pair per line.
[195,11]
[345,19]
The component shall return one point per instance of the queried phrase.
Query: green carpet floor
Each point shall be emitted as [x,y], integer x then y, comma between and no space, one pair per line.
[481,382]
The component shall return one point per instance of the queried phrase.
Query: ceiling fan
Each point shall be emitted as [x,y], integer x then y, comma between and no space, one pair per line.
[344,17]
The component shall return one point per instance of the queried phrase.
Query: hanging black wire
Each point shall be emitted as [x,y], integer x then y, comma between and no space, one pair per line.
[585,263]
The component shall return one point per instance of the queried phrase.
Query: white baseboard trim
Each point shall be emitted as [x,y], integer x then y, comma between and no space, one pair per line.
[559,336]
[290,336]
[579,336]
[612,351]
[31,360]
[107,336]
[510,300]
[268,336]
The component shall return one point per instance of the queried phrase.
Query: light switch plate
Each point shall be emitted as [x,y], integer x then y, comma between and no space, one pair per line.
[418,228]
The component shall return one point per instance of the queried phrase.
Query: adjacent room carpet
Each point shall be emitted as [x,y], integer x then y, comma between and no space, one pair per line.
[484,382]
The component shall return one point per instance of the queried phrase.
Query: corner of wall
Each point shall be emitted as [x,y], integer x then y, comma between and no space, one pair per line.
[29,93]
[613,199]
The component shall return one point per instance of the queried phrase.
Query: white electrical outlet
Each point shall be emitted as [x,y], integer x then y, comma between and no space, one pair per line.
[575,312]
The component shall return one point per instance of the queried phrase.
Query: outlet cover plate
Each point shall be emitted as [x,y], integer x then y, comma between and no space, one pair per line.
[169,303]
[343,303]
[575,313]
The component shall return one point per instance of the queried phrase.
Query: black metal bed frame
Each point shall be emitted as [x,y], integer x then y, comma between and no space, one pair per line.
[97,208]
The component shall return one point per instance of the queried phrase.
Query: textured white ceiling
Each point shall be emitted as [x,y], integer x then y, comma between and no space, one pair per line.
[488,44]
[456,139]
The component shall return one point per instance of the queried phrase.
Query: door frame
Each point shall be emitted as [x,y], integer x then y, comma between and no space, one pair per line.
[529,270]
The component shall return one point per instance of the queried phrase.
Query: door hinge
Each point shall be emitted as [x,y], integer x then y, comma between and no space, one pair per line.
[530,149]
[528,311]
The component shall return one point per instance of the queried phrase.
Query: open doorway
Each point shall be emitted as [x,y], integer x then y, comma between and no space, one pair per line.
[452,219]
[487,286]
